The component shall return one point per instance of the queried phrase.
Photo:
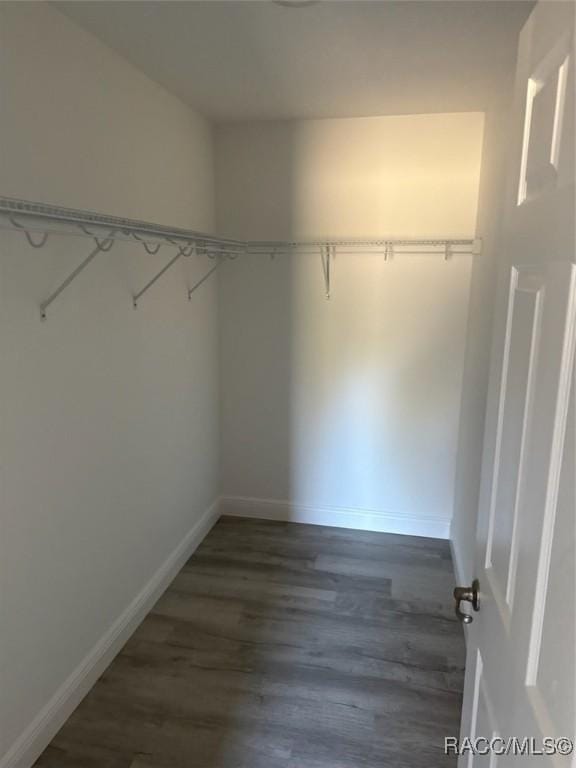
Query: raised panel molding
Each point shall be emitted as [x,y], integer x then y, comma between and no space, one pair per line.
[555,467]
[521,352]
[543,121]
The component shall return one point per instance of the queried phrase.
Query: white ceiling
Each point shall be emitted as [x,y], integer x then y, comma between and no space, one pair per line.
[259,60]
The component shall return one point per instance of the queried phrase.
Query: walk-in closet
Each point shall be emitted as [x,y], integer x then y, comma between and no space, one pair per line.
[286,336]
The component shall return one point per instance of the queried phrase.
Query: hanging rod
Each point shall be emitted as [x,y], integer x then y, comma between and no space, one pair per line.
[280,245]
[38,221]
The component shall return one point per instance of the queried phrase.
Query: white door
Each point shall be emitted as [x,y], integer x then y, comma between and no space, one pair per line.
[521,672]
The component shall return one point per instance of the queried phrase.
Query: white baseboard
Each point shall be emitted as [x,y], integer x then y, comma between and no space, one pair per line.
[339,517]
[53,715]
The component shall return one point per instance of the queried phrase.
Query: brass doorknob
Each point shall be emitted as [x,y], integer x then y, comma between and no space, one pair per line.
[469,595]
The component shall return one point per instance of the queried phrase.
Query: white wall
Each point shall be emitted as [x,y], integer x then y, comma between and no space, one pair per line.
[483,288]
[346,411]
[109,421]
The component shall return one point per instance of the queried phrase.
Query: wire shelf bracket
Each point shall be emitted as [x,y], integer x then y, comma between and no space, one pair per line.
[327,253]
[202,280]
[101,247]
[185,251]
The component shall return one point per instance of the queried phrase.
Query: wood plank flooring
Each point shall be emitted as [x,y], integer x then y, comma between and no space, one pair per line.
[282,645]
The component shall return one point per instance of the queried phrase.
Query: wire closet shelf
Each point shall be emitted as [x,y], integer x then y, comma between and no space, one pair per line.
[39,221]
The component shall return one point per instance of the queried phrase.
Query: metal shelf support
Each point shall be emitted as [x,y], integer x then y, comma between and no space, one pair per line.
[202,280]
[326,255]
[101,247]
[182,251]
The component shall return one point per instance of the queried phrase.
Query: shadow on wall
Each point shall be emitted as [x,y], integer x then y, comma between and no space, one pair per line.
[256,312]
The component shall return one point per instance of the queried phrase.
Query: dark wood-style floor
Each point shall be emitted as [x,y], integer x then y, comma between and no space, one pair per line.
[283,646]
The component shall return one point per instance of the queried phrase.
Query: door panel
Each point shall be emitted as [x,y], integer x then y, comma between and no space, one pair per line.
[544,124]
[556,670]
[483,721]
[525,553]
[525,304]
